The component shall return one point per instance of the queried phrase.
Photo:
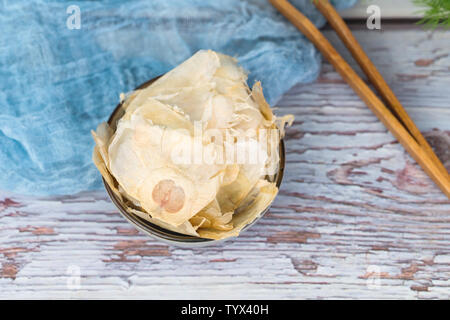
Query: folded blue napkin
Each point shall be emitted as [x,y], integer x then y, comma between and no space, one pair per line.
[58,81]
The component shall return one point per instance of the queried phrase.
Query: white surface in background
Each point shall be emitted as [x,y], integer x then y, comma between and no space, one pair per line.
[403,9]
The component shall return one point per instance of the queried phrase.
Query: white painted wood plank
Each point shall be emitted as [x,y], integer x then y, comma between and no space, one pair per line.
[355,218]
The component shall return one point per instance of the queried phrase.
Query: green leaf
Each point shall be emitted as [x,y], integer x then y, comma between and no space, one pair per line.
[435,12]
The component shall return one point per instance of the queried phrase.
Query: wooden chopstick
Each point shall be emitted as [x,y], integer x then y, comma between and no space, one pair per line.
[365,93]
[344,33]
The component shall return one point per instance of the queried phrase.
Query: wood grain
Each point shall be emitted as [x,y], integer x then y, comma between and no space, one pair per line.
[430,164]
[376,79]
[356,218]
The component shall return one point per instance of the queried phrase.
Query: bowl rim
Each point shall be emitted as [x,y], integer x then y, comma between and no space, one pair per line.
[173,237]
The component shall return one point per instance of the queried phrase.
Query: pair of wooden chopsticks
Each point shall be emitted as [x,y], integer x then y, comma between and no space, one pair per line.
[395,117]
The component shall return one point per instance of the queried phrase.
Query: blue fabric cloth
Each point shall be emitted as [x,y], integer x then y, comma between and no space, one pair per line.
[56,83]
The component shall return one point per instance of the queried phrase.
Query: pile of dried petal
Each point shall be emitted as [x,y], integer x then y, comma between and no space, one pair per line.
[196,150]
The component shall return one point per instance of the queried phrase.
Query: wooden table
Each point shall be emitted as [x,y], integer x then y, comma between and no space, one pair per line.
[355,218]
